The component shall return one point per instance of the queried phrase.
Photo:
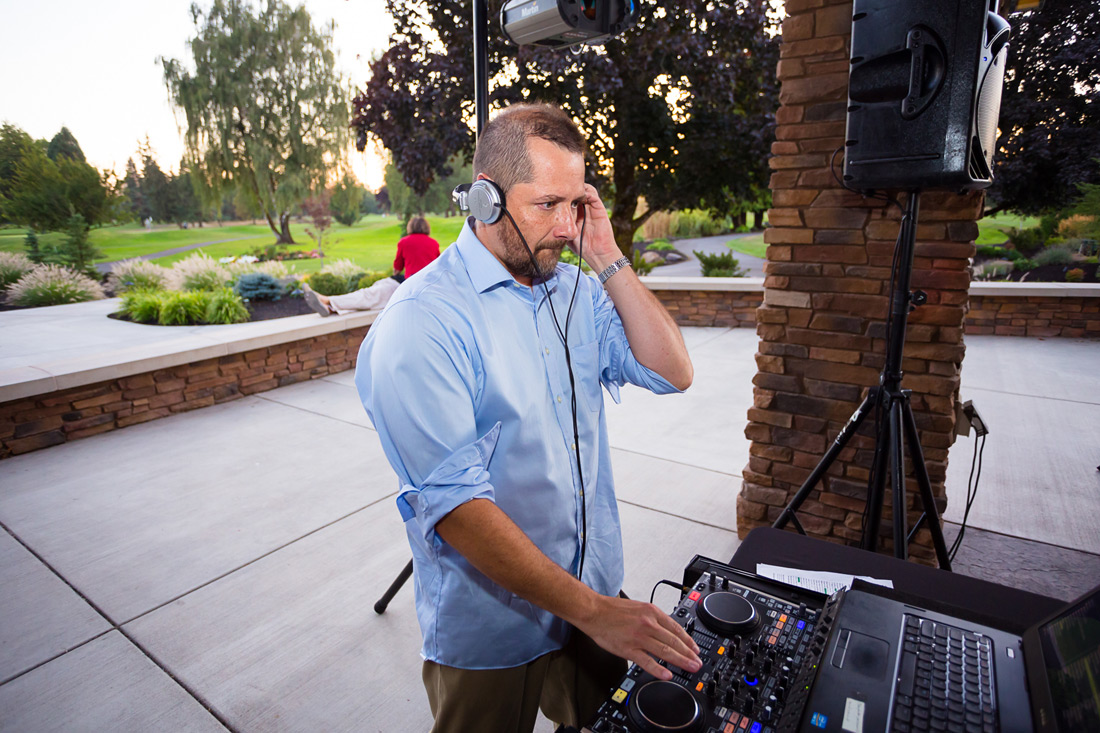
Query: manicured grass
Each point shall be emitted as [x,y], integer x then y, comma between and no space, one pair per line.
[753,245]
[371,242]
[994,229]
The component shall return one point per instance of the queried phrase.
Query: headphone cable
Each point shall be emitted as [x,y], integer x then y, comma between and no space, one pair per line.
[564,336]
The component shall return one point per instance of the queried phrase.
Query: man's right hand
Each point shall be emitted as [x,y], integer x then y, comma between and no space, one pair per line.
[642,633]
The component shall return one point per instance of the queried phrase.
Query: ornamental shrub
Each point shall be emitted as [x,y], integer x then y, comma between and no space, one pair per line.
[1056,255]
[327,283]
[370,279]
[1028,241]
[180,308]
[13,265]
[720,265]
[1075,275]
[661,245]
[136,274]
[53,285]
[344,268]
[142,306]
[225,307]
[258,286]
[993,250]
[198,272]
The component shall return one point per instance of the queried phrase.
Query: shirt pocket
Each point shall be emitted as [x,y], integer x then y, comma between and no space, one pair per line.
[586,374]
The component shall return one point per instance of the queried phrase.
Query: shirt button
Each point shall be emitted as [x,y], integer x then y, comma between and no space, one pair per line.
[548,350]
[559,398]
[574,446]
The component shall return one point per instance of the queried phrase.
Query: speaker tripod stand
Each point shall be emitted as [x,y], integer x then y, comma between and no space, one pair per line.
[898,429]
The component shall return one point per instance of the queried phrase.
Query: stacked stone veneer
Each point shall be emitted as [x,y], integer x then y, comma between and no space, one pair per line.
[729,309]
[821,326]
[56,417]
[1034,315]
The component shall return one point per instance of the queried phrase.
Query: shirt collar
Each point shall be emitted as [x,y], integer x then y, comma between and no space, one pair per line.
[484,268]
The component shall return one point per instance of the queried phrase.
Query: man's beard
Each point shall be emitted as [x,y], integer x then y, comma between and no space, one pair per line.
[517,260]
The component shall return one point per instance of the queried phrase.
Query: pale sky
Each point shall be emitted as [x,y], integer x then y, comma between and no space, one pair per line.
[92,67]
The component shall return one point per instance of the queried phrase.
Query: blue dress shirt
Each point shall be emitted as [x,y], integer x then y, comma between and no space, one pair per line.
[464,377]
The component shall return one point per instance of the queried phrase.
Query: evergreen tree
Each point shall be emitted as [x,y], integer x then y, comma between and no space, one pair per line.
[133,190]
[30,243]
[77,250]
[63,143]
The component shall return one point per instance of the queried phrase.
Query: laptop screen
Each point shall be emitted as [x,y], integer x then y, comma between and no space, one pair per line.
[1070,645]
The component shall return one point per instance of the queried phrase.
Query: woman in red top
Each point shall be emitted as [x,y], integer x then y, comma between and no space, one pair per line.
[417,249]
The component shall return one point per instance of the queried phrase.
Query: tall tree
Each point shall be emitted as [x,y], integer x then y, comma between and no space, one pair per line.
[1050,111]
[64,143]
[346,201]
[680,108]
[13,144]
[266,111]
[45,195]
[405,202]
[133,188]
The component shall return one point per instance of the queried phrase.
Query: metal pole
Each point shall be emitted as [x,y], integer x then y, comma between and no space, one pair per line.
[481,63]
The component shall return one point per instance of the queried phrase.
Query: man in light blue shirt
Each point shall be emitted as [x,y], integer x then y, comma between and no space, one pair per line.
[505,468]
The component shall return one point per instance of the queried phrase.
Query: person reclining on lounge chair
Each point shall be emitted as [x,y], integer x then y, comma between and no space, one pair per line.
[374,297]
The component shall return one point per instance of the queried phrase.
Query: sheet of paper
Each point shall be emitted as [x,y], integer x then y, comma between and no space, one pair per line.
[816,580]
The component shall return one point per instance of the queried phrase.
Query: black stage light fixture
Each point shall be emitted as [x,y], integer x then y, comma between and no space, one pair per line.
[565,23]
[924,94]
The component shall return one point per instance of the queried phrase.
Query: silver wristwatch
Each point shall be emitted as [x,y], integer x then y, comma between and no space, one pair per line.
[613,268]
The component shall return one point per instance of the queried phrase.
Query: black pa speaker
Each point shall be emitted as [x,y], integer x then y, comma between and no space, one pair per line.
[924,93]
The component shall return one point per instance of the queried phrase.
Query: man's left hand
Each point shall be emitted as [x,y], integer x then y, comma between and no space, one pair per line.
[599,249]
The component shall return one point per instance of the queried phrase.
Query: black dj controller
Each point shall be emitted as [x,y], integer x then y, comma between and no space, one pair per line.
[759,642]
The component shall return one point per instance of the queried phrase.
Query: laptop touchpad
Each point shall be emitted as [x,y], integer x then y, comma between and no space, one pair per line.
[865,655]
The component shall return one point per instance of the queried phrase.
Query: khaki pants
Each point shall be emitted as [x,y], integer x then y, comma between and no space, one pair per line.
[573,680]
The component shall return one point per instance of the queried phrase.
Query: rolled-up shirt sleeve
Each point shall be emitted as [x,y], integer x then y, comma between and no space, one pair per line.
[419,389]
[617,363]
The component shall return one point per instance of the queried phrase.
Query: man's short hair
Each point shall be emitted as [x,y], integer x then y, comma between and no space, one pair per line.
[502,146]
[418,225]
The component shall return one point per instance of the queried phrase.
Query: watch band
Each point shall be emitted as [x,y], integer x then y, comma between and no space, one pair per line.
[613,268]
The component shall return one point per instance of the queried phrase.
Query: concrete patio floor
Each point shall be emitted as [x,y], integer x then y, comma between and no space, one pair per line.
[218,568]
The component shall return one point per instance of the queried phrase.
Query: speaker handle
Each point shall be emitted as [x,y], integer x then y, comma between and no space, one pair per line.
[927,70]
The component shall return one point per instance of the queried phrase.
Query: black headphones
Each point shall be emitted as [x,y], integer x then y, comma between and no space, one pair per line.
[483,198]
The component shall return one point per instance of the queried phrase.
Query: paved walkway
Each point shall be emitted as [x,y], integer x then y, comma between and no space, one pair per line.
[105,267]
[754,266]
[217,569]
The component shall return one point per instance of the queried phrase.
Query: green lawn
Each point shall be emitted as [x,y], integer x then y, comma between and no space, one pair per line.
[371,242]
[993,229]
[752,245]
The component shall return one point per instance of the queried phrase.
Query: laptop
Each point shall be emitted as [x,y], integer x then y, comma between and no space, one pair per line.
[892,665]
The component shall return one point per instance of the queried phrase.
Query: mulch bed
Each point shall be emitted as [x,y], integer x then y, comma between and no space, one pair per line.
[1054,273]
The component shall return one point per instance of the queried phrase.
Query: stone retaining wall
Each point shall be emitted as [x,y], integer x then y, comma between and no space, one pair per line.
[1032,315]
[1051,310]
[57,417]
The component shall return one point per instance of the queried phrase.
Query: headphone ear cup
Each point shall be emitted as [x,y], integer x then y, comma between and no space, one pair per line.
[486,201]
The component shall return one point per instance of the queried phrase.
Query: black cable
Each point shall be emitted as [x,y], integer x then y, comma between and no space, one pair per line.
[971,495]
[673,583]
[864,194]
[564,336]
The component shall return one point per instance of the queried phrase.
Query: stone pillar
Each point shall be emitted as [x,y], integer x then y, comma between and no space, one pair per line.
[822,324]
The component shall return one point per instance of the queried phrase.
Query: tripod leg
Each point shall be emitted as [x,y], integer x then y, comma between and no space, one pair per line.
[827,460]
[897,456]
[875,488]
[916,454]
[380,606]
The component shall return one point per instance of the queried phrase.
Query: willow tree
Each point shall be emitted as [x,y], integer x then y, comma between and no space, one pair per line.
[266,111]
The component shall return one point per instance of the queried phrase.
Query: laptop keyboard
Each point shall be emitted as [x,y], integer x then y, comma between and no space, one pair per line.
[945,680]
